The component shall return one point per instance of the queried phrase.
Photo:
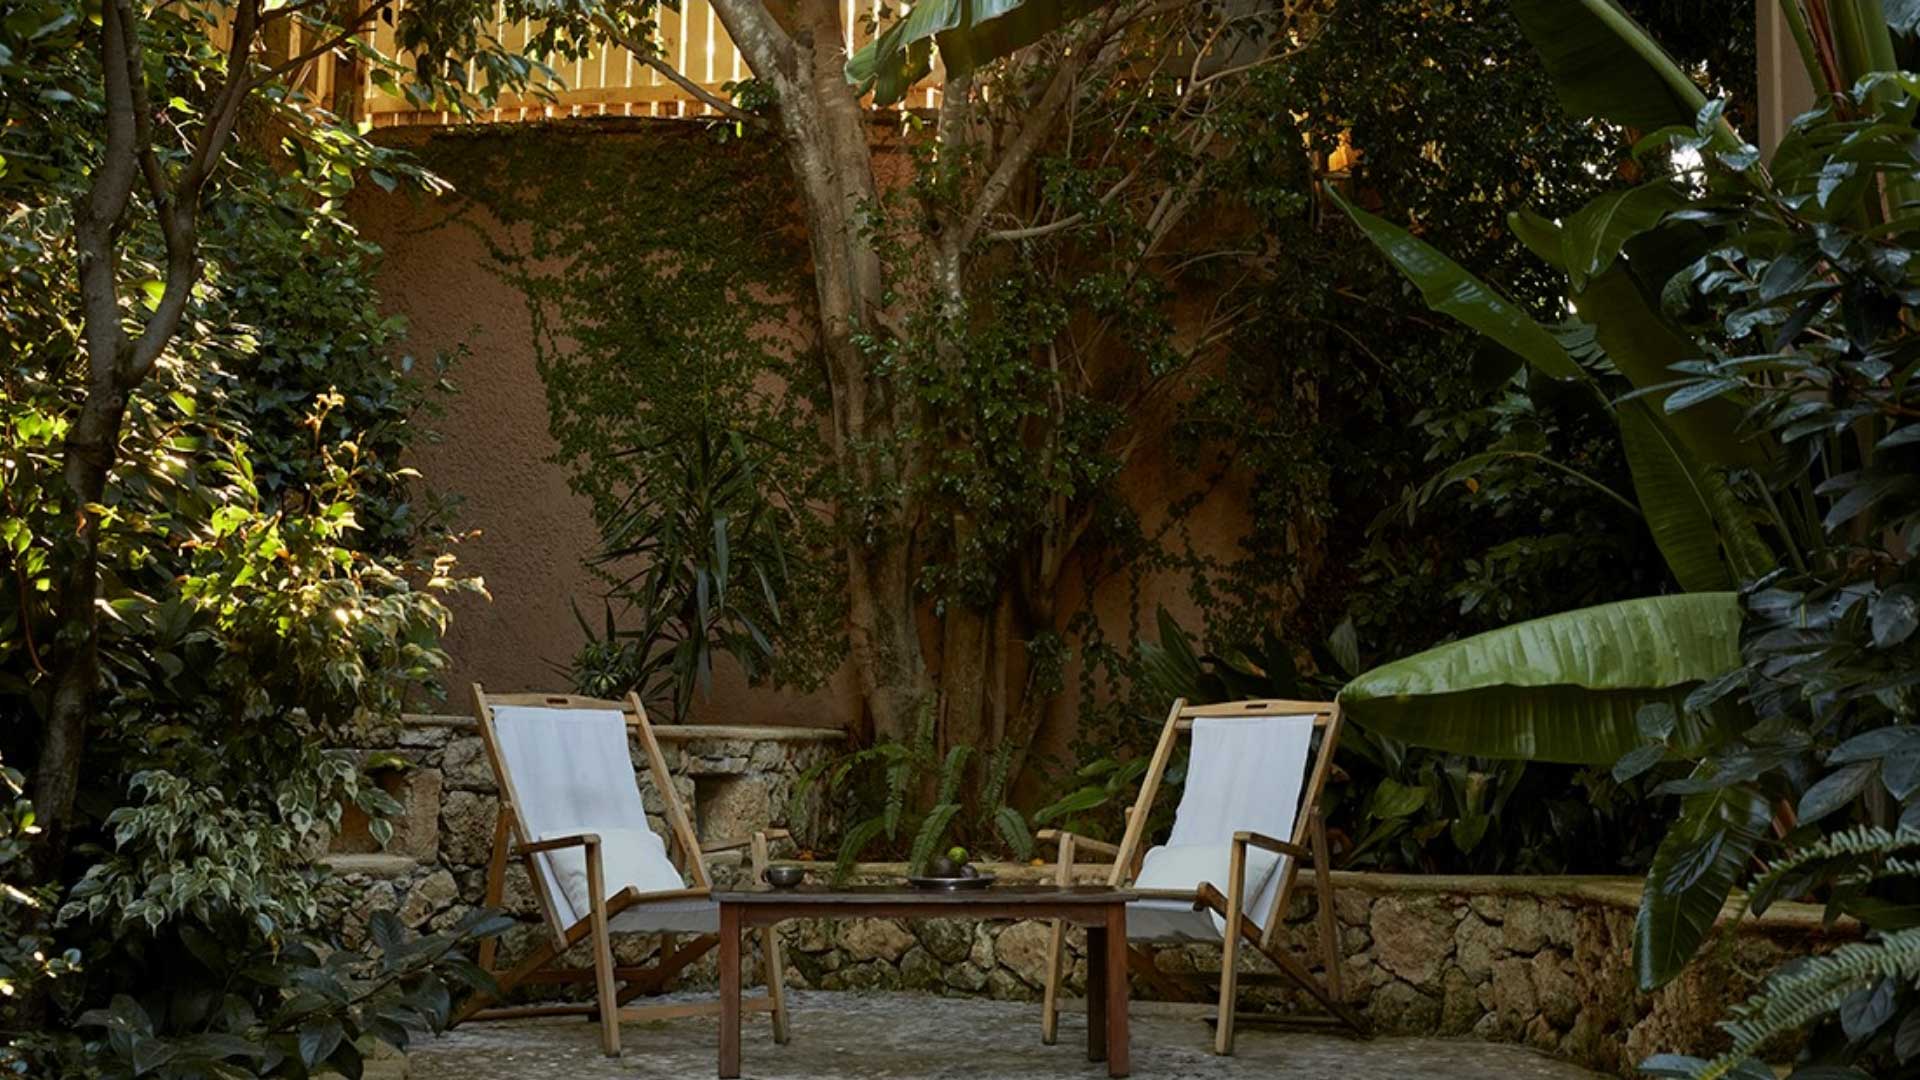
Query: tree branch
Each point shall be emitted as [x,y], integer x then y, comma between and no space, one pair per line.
[358,24]
[769,51]
[178,206]
[1040,119]
[644,53]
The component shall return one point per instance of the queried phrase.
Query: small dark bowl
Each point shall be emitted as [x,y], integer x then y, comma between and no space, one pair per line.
[785,877]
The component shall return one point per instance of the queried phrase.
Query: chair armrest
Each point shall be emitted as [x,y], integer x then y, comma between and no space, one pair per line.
[1281,847]
[698,892]
[717,846]
[1097,847]
[587,840]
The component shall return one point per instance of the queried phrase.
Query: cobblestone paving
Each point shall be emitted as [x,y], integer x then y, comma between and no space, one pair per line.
[911,1037]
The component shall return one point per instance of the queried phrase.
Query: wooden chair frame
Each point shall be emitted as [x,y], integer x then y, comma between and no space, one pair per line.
[513,840]
[1309,840]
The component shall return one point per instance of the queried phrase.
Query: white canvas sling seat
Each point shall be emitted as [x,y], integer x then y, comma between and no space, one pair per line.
[571,811]
[1248,816]
[572,775]
[1243,774]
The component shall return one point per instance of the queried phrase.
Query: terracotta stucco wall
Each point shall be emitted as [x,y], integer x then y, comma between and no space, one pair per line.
[497,455]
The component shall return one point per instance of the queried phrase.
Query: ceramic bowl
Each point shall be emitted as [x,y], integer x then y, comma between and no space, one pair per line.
[785,877]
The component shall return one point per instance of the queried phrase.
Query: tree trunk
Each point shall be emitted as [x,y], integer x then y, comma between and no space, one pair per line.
[91,446]
[824,130]
[966,641]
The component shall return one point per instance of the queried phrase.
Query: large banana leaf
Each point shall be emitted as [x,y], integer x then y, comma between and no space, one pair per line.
[1448,288]
[1594,235]
[1644,347]
[1605,64]
[1564,688]
[1692,875]
[1672,491]
[970,33]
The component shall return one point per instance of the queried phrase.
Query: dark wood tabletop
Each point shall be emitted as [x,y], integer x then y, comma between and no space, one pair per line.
[1037,895]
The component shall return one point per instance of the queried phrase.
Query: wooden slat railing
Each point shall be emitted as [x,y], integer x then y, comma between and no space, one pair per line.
[610,82]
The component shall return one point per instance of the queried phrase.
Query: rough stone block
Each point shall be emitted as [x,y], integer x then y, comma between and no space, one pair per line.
[874,939]
[920,971]
[966,976]
[1525,931]
[428,896]
[464,765]
[467,820]
[948,940]
[1476,946]
[1409,940]
[1459,1006]
[1022,949]
[1513,997]
[981,954]
[1003,985]
[1555,988]
[732,807]
[1399,1007]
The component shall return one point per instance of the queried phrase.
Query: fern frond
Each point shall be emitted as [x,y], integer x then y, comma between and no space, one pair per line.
[1013,829]
[1859,842]
[1800,994]
[932,828]
[923,735]
[953,772]
[999,767]
[899,780]
[858,836]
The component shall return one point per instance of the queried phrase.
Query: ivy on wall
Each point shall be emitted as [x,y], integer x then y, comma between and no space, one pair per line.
[665,272]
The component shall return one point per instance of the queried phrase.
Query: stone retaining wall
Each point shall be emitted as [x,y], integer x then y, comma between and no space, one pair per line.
[1544,961]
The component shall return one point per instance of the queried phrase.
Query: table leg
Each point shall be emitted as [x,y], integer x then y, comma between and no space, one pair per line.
[1119,1051]
[1099,973]
[729,992]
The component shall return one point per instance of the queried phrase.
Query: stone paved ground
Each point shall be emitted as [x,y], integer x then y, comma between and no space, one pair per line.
[909,1036]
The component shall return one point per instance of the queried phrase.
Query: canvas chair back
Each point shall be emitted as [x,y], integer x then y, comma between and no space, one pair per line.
[1252,767]
[1243,774]
[564,768]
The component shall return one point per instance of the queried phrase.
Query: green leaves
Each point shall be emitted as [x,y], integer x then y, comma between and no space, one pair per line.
[1693,873]
[1703,533]
[1564,688]
[1594,235]
[1604,64]
[1449,289]
[969,33]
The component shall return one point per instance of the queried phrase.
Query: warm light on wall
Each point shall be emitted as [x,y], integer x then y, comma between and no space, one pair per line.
[1344,156]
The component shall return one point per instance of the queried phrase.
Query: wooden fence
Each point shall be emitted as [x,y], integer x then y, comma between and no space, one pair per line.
[611,82]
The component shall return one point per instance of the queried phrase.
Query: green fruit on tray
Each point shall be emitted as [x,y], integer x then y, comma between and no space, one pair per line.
[958,854]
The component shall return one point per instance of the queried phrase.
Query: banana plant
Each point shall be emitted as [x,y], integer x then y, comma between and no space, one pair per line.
[968,33]
[1717,419]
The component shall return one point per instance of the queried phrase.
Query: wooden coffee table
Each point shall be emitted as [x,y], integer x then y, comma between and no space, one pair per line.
[1102,911]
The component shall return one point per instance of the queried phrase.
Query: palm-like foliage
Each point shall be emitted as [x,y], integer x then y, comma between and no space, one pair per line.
[895,790]
[694,568]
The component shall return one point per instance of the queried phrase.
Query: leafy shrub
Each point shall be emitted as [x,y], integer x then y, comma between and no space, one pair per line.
[261,594]
[890,791]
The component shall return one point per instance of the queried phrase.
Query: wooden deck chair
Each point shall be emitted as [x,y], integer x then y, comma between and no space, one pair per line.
[570,809]
[1248,782]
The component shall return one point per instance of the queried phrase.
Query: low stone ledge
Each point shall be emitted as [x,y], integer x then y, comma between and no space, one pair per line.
[378,867]
[663,732]
[1543,961]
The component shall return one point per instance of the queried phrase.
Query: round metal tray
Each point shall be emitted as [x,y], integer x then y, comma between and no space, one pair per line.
[951,883]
